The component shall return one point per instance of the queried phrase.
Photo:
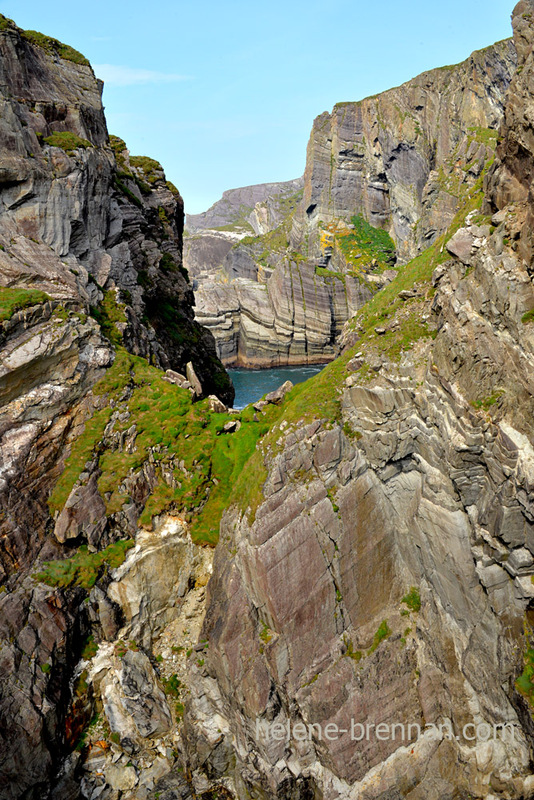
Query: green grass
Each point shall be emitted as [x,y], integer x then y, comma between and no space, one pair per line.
[166,419]
[107,314]
[528,317]
[46,42]
[487,136]
[366,245]
[83,568]
[151,168]
[172,686]
[412,599]
[525,683]
[66,141]
[382,633]
[173,190]
[14,299]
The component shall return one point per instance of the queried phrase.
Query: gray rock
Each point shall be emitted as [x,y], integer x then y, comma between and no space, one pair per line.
[278,395]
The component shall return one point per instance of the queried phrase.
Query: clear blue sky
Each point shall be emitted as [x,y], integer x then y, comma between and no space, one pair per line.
[224,93]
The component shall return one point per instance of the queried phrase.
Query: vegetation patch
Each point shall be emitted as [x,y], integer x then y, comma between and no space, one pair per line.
[413,599]
[83,568]
[108,314]
[525,683]
[197,463]
[350,652]
[90,648]
[152,169]
[364,245]
[487,402]
[487,136]
[66,141]
[46,42]
[13,300]
[382,633]
[127,192]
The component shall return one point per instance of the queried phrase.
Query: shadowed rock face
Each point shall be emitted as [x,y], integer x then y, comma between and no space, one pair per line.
[423,480]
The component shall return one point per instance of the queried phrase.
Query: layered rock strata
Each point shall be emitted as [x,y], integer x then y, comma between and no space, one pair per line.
[381,575]
[403,161]
[403,158]
[90,266]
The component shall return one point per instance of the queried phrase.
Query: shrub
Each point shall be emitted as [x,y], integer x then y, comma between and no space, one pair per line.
[413,599]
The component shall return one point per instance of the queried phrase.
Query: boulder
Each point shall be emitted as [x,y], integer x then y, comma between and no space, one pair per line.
[278,395]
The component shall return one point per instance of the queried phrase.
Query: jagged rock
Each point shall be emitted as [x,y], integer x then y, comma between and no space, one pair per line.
[215,405]
[407,294]
[278,395]
[179,380]
[193,380]
[134,705]
[84,513]
[232,426]
[153,580]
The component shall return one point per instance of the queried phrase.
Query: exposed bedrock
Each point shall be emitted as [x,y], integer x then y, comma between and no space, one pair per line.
[421,489]
[398,159]
[403,160]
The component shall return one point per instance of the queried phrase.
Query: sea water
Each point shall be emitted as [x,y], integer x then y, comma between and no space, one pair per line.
[251,384]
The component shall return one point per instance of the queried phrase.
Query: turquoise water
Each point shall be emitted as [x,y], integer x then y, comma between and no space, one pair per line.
[251,384]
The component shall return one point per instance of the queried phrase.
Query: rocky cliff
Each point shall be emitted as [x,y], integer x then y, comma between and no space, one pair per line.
[364,627]
[379,570]
[91,288]
[249,208]
[402,161]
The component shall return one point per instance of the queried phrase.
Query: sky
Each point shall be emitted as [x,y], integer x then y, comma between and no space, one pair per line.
[224,94]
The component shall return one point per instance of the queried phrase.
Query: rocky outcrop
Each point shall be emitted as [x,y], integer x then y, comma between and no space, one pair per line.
[403,158]
[403,161]
[294,317]
[78,213]
[249,208]
[91,277]
[380,572]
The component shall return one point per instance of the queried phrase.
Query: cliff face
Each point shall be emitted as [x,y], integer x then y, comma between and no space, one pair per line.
[91,279]
[403,161]
[249,208]
[380,569]
[403,158]
[376,552]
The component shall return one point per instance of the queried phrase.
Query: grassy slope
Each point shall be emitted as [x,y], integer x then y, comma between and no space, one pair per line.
[12,300]
[185,439]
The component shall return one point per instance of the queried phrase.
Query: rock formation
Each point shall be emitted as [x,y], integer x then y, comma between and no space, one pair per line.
[402,161]
[90,271]
[364,627]
[380,570]
[250,208]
